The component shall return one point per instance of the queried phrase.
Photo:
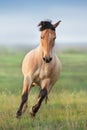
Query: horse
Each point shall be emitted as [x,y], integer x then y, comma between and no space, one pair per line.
[41,67]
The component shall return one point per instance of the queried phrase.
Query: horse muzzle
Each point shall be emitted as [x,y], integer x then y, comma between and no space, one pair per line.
[47,60]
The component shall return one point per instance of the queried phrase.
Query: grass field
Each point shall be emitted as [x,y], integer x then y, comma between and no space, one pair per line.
[67,105]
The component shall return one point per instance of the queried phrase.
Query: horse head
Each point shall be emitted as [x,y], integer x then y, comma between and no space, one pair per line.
[48,36]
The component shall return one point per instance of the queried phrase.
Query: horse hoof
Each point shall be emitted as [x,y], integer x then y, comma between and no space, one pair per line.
[32,113]
[18,114]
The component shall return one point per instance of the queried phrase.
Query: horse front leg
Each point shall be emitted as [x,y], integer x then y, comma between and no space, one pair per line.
[24,98]
[41,97]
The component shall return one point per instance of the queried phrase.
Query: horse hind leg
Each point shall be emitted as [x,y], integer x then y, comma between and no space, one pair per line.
[42,96]
[24,98]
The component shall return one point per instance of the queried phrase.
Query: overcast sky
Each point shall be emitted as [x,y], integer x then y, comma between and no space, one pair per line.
[19,20]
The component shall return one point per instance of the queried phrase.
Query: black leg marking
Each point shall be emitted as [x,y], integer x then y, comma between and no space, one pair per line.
[42,95]
[46,99]
[24,99]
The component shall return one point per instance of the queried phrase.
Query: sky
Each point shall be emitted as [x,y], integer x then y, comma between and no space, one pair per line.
[19,20]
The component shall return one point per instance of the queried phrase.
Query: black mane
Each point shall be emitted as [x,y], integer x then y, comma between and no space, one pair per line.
[46,25]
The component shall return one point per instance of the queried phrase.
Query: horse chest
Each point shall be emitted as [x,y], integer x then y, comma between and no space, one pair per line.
[42,73]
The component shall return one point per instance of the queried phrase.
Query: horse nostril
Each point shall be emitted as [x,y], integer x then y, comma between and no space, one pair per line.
[50,58]
[44,58]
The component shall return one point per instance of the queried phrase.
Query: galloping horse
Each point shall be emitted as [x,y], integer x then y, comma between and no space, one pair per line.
[40,67]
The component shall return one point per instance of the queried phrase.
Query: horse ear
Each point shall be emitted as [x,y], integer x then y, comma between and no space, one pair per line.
[56,24]
[41,23]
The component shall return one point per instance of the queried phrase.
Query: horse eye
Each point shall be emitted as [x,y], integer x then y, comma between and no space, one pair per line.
[42,37]
[54,38]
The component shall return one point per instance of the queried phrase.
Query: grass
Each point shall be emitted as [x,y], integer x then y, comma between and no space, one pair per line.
[67,105]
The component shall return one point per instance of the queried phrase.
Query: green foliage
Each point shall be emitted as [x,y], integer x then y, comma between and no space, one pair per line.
[67,104]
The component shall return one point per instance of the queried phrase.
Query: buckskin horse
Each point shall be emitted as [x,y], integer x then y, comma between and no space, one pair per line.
[40,67]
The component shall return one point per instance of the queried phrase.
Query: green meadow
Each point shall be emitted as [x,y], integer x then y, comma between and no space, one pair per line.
[67,105]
